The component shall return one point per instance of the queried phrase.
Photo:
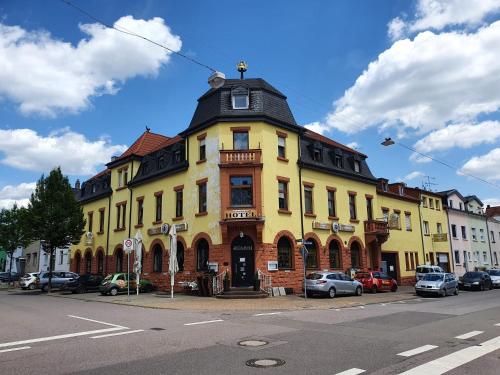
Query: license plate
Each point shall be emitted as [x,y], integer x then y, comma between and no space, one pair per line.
[466,284]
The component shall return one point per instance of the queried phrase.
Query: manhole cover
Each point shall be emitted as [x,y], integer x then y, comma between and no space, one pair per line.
[157,329]
[253,343]
[265,362]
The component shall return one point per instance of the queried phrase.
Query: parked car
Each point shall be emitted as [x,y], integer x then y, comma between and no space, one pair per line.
[331,284]
[4,276]
[375,281]
[58,279]
[116,283]
[28,281]
[495,277]
[475,280]
[85,283]
[439,284]
[424,269]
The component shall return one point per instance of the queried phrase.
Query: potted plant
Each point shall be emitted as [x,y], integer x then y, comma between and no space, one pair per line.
[256,282]
[226,282]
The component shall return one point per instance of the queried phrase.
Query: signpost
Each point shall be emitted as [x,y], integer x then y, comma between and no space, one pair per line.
[304,252]
[128,247]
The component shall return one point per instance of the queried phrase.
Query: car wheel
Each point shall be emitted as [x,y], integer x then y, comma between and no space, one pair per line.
[331,293]
[44,288]
[359,292]
[81,289]
[456,292]
[31,286]
[374,289]
[491,286]
[394,288]
[113,291]
[442,293]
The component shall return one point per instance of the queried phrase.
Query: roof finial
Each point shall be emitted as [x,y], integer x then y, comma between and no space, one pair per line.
[242,68]
[148,129]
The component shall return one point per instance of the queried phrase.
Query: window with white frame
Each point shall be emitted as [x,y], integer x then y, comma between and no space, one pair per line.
[485,257]
[426,228]
[481,234]
[474,234]
[439,228]
[457,256]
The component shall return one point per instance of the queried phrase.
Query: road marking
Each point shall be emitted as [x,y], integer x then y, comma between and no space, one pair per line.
[59,337]
[271,313]
[117,334]
[352,371]
[420,349]
[96,321]
[204,322]
[451,361]
[14,349]
[498,324]
[469,335]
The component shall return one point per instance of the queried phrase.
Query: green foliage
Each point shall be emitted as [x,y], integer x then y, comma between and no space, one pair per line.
[14,229]
[55,216]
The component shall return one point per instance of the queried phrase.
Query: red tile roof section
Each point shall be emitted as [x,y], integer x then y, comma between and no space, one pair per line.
[322,138]
[493,211]
[146,143]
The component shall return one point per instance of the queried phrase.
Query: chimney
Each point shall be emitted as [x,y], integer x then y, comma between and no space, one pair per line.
[488,206]
[77,184]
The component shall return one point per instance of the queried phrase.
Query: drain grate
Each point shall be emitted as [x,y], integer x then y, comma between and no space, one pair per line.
[157,329]
[253,343]
[265,362]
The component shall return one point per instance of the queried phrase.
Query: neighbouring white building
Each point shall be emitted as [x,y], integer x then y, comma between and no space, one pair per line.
[493,214]
[16,259]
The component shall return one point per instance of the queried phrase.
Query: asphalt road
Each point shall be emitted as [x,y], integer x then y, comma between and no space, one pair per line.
[41,334]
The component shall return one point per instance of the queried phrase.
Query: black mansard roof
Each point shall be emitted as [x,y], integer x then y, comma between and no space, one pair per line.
[265,103]
[96,187]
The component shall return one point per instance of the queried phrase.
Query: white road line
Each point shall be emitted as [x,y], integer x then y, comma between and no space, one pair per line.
[14,349]
[59,337]
[352,371]
[498,324]
[451,361]
[420,349]
[96,321]
[117,334]
[205,322]
[271,313]
[468,335]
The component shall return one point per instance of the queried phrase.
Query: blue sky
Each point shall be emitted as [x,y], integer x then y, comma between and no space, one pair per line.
[425,73]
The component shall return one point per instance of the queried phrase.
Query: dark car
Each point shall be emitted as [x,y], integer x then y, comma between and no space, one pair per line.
[475,280]
[4,276]
[85,283]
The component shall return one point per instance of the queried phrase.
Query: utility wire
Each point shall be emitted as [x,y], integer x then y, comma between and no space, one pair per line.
[451,166]
[128,32]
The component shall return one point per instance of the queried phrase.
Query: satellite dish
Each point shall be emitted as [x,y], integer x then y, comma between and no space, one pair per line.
[335,227]
[217,80]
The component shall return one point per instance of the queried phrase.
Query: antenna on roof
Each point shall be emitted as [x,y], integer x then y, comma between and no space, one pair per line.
[427,183]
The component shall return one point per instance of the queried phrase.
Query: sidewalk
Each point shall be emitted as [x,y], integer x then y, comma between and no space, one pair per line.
[293,302]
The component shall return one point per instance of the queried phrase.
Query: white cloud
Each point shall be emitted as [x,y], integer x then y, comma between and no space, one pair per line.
[28,150]
[353,145]
[45,75]
[424,84]
[413,175]
[438,14]
[493,202]
[316,127]
[461,136]
[485,166]
[19,194]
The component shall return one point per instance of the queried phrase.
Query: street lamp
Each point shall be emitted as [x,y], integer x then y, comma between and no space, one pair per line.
[387,142]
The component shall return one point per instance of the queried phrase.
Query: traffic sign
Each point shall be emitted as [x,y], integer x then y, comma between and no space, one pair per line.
[128,245]
[307,243]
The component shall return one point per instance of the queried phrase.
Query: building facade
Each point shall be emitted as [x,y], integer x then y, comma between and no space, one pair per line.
[493,223]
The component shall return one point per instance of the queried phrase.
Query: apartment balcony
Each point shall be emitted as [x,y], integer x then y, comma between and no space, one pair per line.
[231,158]
[376,230]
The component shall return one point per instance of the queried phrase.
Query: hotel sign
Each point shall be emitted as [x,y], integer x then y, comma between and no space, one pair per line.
[440,237]
[240,214]
[181,227]
[320,225]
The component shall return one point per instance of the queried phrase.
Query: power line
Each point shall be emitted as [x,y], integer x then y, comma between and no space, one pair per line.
[451,166]
[128,32]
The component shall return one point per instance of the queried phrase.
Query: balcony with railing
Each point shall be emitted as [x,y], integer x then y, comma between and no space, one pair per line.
[376,227]
[240,157]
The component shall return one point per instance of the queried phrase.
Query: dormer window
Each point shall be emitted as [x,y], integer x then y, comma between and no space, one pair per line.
[177,156]
[161,162]
[384,186]
[317,154]
[94,188]
[357,166]
[338,161]
[401,190]
[239,97]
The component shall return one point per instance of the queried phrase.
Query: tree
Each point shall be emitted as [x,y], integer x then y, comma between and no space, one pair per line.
[14,231]
[55,216]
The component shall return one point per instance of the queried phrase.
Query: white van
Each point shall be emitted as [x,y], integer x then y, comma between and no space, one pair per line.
[421,271]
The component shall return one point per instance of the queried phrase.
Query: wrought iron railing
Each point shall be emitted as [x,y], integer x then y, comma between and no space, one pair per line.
[218,282]
[266,282]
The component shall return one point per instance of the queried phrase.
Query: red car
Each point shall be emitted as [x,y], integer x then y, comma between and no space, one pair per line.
[375,281]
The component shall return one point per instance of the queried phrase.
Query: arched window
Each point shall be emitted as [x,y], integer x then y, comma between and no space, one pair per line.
[355,255]
[100,263]
[180,255]
[119,261]
[88,262]
[312,256]
[335,254]
[78,262]
[285,253]
[202,255]
[157,258]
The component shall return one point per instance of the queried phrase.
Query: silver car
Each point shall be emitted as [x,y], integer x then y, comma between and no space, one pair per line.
[495,277]
[440,284]
[331,284]
[58,279]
